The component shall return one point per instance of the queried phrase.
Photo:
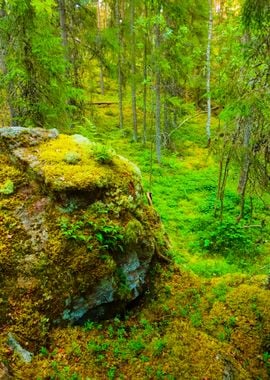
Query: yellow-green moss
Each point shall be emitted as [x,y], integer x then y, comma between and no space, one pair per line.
[158,341]
[86,173]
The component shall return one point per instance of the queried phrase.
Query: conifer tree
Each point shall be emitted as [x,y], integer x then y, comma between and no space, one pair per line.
[35,68]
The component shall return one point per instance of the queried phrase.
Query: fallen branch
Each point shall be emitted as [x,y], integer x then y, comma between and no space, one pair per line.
[185,120]
[253,226]
[102,103]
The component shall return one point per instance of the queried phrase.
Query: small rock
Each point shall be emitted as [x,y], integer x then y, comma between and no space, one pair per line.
[25,355]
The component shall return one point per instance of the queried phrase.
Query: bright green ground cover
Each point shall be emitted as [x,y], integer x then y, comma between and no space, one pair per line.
[184,191]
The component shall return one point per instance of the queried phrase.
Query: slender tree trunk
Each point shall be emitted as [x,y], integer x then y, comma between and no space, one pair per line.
[166,118]
[243,180]
[158,90]
[208,74]
[120,62]
[133,72]
[224,170]
[223,185]
[3,68]
[63,23]
[145,77]
[101,76]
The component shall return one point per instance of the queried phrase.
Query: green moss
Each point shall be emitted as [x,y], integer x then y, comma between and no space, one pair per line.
[86,173]
[7,188]
[133,231]
[72,158]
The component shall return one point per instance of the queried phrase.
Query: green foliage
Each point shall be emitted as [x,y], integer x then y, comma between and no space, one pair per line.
[63,372]
[108,235]
[103,154]
[220,292]
[227,237]
[255,13]
[97,348]
[111,373]
[266,360]
[7,188]
[159,347]
[136,346]
[72,231]
[35,75]
[196,319]
[89,325]
[212,267]
[44,351]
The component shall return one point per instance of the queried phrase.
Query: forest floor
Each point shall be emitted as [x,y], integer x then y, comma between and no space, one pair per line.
[184,189]
[207,316]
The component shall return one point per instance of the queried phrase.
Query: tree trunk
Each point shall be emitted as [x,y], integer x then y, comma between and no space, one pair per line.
[208,74]
[63,23]
[145,77]
[133,72]
[10,89]
[157,91]
[101,76]
[242,184]
[224,170]
[120,62]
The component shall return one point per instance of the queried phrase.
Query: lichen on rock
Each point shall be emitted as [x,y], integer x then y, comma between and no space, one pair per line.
[77,240]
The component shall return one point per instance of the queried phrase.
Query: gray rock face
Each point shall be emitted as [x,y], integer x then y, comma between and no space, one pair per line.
[77,239]
[14,137]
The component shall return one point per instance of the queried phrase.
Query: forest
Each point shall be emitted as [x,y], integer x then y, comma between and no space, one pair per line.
[134,189]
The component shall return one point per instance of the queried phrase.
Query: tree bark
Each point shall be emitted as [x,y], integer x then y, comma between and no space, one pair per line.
[10,89]
[242,184]
[208,74]
[120,62]
[157,91]
[133,72]
[101,76]
[63,23]
[145,77]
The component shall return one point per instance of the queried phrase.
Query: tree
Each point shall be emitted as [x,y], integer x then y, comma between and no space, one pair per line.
[157,28]
[133,70]
[35,68]
[246,105]
[119,23]
[208,75]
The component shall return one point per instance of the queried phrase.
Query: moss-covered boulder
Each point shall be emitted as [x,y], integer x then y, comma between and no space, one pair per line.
[76,239]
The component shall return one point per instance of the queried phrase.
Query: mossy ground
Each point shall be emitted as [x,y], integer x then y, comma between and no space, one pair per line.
[186,328]
[206,316]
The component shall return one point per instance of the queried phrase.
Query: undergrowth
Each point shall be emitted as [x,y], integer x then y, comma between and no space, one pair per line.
[184,192]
